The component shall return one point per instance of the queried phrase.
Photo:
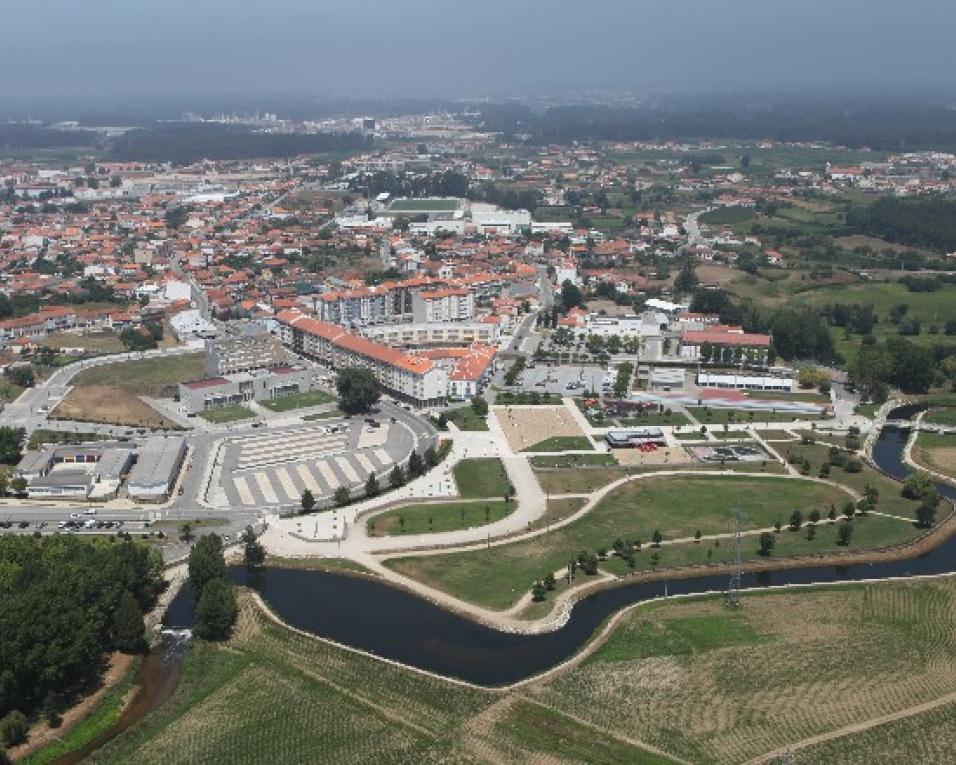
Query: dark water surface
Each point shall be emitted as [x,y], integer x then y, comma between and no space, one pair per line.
[394,624]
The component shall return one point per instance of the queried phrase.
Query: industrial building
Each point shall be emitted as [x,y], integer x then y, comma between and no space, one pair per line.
[93,471]
[157,468]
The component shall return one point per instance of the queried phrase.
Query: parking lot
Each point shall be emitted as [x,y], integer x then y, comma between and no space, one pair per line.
[564,380]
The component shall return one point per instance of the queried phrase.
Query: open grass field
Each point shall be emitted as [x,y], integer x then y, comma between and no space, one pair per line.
[676,506]
[270,695]
[109,405]
[725,216]
[100,342]
[433,517]
[227,414]
[302,400]
[717,686]
[481,477]
[562,444]
[156,377]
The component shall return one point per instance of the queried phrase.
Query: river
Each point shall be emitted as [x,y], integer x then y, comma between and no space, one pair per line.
[364,613]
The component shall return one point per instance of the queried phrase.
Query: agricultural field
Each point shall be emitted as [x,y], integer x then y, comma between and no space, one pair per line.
[109,405]
[428,518]
[481,477]
[716,686]
[300,401]
[271,695]
[156,377]
[727,216]
[676,506]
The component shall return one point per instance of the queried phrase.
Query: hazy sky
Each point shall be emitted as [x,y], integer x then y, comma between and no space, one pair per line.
[118,48]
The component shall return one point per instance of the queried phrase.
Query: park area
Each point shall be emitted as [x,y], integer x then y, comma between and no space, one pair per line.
[432,517]
[676,507]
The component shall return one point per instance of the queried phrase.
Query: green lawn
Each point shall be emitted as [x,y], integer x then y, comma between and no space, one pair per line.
[465,418]
[156,377]
[677,506]
[573,461]
[481,477]
[654,418]
[300,401]
[445,516]
[941,416]
[227,414]
[725,435]
[562,444]
[713,416]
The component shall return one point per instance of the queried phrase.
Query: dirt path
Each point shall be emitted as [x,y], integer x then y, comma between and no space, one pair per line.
[42,735]
[848,730]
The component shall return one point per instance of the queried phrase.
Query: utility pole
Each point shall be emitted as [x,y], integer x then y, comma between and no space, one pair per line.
[732,596]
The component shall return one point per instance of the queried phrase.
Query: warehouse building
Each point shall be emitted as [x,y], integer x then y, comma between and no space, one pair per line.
[93,471]
[157,468]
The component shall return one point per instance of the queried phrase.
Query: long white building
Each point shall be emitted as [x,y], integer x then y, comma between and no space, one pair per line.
[412,378]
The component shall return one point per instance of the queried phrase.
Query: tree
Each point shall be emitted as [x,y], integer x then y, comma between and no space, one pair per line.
[767,542]
[796,520]
[686,279]
[21,376]
[216,611]
[371,486]
[844,535]
[479,406]
[308,501]
[925,515]
[849,510]
[206,562]
[814,516]
[253,552]
[186,532]
[10,440]
[416,466]
[657,538]
[358,390]
[342,496]
[396,478]
[571,296]
[431,457]
[14,728]
[917,484]
[549,583]
[129,632]
[538,591]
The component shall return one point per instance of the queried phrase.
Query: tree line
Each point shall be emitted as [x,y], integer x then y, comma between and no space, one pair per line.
[927,222]
[68,602]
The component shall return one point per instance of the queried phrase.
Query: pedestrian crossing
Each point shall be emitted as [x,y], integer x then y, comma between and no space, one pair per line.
[283,483]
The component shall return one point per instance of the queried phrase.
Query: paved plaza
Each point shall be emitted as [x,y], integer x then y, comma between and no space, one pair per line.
[274,468]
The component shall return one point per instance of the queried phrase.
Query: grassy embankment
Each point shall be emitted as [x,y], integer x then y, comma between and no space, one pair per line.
[677,507]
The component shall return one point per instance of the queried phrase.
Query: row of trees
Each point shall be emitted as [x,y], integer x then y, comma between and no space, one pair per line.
[212,588]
